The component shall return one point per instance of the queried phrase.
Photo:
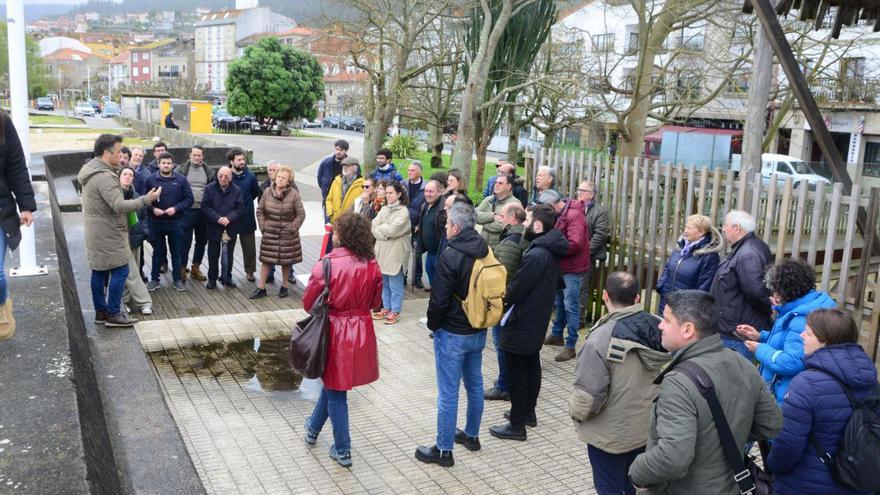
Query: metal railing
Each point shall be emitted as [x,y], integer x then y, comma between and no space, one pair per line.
[845,90]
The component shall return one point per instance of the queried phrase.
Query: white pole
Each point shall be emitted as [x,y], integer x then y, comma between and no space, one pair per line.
[18,96]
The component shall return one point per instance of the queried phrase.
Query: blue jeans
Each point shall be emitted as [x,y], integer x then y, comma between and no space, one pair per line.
[431,266]
[501,382]
[738,346]
[458,358]
[158,232]
[114,280]
[611,471]
[332,404]
[392,292]
[568,309]
[3,290]
[193,225]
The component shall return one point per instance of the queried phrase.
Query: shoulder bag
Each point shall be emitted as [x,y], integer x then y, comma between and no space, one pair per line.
[310,336]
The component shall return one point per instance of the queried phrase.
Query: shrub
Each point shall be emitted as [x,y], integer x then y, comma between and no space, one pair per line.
[403,146]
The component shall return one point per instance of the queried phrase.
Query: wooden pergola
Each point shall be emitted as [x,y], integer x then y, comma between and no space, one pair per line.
[849,12]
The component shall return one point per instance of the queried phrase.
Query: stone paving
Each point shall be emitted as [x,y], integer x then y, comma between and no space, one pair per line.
[242,420]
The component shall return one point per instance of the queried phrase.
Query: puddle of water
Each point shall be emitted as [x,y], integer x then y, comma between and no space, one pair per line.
[259,365]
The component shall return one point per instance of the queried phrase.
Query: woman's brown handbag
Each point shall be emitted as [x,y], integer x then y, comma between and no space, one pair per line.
[308,342]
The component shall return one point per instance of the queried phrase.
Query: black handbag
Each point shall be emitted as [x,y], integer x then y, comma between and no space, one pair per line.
[310,336]
[749,477]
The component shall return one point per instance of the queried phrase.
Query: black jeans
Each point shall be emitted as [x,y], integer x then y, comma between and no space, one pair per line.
[524,384]
[173,232]
[194,226]
[611,471]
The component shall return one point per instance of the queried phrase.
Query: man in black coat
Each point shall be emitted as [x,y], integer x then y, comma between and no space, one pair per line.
[738,286]
[458,347]
[15,189]
[529,302]
[331,167]
[222,207]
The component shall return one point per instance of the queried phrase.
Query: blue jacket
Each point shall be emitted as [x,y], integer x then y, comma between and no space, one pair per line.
[815,403]
[175,192]
[326,173]
[140,178]
[693,272]
[387,173]
[217,203]
[781,352]
[250,189]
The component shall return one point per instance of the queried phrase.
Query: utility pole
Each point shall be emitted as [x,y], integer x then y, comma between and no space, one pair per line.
[756,107]
[18,103]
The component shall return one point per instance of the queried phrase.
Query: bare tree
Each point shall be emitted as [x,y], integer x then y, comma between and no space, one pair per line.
[382,41]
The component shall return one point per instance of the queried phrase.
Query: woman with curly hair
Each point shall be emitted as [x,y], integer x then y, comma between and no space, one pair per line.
[780,351]
[393,233]
[352,357]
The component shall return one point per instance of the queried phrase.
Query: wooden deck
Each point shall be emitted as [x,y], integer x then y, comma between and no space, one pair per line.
[199,301]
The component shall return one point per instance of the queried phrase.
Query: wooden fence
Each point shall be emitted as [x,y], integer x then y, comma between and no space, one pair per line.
[649,202]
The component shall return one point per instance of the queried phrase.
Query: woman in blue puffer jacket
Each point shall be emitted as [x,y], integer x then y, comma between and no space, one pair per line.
[780,351]
[817,405]
[693,264]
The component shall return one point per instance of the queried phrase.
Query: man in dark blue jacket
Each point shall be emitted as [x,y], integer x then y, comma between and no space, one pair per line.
[416,196]
[223,208]
[250,190]
[528,304]
[458,347]
[331,167]
[166,219]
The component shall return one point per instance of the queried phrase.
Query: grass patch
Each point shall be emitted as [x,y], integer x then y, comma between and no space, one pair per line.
[52,120]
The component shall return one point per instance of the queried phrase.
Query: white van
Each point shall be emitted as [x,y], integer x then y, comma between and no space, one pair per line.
[785,166]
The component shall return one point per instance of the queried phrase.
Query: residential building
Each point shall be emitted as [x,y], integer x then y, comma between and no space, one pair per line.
[174,61]
[72,68]
[120,70]
[217,35]
[142,60]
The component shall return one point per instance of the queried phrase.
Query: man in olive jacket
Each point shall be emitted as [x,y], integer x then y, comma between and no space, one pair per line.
[488,210]
[684,454]
[508,252]
[106,228]
[614,386]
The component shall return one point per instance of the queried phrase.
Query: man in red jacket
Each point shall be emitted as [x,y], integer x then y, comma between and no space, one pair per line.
[571,221]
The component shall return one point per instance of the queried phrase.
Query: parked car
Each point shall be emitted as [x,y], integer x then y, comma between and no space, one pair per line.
[83,109]
[45,103]
[359,124]
[225,121]
[257,127]
[111,110]
[785,166]
[95,105]
[306,123]
[331,122]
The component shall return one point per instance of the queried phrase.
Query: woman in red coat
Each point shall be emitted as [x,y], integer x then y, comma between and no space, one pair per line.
[352,357]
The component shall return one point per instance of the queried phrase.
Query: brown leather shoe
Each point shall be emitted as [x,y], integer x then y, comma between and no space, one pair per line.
[120,320]
[565,355]
[197,274]
[183,274]
[554,340]
[250,277]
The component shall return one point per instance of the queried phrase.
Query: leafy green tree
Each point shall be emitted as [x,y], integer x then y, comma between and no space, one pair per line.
[274,82]
[38,84]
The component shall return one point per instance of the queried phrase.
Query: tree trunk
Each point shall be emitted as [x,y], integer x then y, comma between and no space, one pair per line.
[549,138]
[513,129]
[476,85]
[435,145]
[756,106]
[482,148]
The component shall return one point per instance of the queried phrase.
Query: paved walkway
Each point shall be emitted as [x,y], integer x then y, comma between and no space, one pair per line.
[241,414]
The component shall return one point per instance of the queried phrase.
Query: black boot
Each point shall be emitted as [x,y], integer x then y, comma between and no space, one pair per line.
[508,432]
[258,293]
[531,421]
[470,443]
[433,455]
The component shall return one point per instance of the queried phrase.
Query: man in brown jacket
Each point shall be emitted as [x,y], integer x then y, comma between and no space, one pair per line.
[614,386]
[106,228]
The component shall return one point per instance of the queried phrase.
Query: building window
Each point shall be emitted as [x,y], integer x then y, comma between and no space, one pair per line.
[134,71]
[147,56]
[687,87]
[134,56]
[146,70]
[603,42]
[738,85]
[632,45]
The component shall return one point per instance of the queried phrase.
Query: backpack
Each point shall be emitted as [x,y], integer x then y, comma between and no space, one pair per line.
[484,303]
[856,464]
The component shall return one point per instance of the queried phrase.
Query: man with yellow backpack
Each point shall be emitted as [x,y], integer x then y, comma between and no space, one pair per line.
[466,298]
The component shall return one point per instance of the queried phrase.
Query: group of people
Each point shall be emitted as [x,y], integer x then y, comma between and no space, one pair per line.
[179,208]
[634,402]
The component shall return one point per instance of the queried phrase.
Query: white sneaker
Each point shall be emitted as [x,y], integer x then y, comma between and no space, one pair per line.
[146,309]
[127,309]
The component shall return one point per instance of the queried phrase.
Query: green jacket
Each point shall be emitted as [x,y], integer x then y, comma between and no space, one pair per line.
[614,384]
[684,454]
[509,250]
[491,230]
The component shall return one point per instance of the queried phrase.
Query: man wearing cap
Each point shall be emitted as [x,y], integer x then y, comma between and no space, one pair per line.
[346,188]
